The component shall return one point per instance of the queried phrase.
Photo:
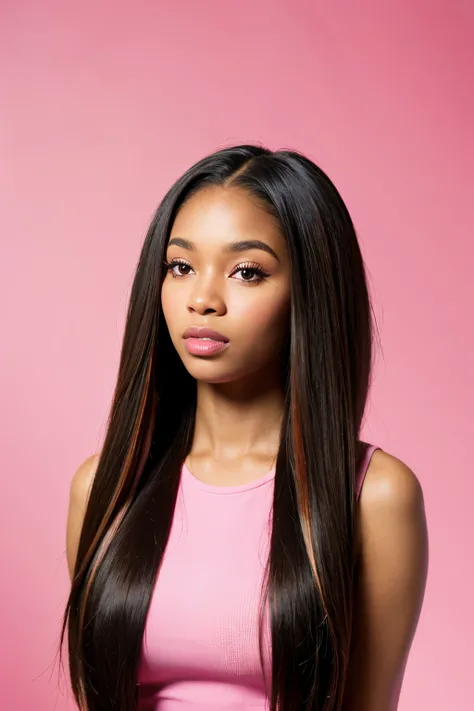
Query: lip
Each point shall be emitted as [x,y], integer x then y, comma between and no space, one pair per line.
[204,341]
[197,332]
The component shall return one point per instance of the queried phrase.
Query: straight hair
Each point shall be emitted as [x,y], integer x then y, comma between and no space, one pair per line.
[309,584]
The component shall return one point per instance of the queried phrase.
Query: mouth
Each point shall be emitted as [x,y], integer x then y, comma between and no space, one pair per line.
[205,334]
[204,341]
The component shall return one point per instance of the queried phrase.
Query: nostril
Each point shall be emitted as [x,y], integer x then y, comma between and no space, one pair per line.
[196,309]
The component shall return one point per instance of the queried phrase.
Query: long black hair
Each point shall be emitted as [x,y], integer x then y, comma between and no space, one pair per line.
[311,566]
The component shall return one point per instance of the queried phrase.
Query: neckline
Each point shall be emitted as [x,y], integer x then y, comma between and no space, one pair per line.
[225,490]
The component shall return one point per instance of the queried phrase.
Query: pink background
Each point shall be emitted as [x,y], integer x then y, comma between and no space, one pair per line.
[103,105]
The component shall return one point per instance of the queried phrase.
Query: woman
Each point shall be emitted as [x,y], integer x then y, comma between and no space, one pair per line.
[223,558]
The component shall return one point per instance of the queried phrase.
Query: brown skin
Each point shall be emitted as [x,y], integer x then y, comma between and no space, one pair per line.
[238,420]
[216,291]
[240,401]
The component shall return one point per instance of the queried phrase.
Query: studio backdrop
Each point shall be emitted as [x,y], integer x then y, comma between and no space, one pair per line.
[103,105]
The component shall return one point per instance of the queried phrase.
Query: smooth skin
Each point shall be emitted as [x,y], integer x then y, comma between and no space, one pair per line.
[221,278]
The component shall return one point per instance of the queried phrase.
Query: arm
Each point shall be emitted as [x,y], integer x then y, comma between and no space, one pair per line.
[81,484]
[393,567]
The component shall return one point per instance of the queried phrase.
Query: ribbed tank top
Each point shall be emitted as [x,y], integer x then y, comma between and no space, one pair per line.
[200,647]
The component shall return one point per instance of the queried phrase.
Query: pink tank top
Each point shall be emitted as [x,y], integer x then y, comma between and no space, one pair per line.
[200,649]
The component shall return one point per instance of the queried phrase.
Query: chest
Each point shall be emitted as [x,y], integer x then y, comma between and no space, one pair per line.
[204,613]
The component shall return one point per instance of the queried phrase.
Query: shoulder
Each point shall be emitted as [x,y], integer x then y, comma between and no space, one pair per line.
[390,485]
[80,486]
[82,478]
[393,541]
[391,508]
[392,572]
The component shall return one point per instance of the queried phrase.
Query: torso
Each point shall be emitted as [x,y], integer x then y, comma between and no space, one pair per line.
[201,642]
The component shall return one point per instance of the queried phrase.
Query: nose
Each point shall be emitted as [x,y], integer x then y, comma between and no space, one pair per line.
[205,297]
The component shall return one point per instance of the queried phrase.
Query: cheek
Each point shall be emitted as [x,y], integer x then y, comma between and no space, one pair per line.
[170,305]
[264,315]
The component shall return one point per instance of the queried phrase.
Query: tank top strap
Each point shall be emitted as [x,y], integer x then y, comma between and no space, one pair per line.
[364,462]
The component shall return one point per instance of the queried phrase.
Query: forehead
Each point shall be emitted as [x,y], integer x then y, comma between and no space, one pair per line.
[217,215]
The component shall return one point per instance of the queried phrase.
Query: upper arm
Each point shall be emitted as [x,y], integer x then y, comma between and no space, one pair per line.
[390,587]
[78,496]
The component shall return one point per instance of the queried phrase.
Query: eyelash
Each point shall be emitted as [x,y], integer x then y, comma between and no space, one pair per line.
[247,266]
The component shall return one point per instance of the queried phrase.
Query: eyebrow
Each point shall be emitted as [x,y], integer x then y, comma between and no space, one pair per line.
[242,246]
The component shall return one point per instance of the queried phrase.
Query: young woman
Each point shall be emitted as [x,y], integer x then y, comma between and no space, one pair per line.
[220,554]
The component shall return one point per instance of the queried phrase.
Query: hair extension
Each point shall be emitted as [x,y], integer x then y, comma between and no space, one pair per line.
[327,366]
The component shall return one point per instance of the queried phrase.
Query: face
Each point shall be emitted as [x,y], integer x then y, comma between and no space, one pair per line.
[226,293]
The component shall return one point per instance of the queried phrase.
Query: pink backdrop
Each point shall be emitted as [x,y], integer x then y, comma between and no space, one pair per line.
[103,105]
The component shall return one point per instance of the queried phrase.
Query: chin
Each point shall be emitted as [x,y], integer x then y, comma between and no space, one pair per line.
[212,375]
[214,370]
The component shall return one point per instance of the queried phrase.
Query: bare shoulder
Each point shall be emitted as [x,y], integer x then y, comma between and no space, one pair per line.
[82,479]
[391,485]
[80,487]
[393,566]
[392,520]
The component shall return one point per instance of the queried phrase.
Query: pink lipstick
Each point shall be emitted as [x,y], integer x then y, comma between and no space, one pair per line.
[204,341]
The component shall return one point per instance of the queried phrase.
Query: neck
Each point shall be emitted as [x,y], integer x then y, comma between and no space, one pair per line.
[239,419]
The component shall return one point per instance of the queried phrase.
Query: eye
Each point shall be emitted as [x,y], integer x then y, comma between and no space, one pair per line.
[250,273]
[178,268]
